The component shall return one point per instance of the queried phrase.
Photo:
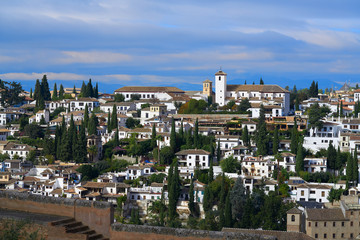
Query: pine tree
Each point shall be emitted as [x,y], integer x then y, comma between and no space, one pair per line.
[89,89]
[40,102]
[300,159]
[45,91]
[228,213]
[261,81]
[294,138]
[196,134]
[245,136]
[86,116]
[114,122]
[55,93]
[153,137]
[61,92]
[31,93]
[276,141]
[173,136]
[312,89]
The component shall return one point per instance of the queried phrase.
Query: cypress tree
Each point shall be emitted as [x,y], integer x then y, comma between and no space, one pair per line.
[81,145]
[261,81]
[294,138]
[93,123]
[276,141]
[65,147]
[316,89]
[55,93]
[153,137]
[355,167]
[341,109]
[45,88]
[338,163]
[114,120]
[300,159]
[245,136]
[61,92]
[181,133]
[228,213]
[86,116]
[297,108]
[117,141]
[211,173]
[173,136]
[37,92]
[31,93]
[218,151]
[96,91]
[174,192]
[74,89]
[57,141]
[222,192]
[350,169]
[72,136]
[207,205]
[196,134]
[331,157]
[261,135]
[83,89]
[109,122]
[191,198]
[89,89]
[189,138]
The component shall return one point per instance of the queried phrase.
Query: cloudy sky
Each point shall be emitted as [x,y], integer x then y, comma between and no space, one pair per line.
[180,43]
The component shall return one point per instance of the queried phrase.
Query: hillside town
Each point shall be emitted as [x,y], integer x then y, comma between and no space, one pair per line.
[253,156]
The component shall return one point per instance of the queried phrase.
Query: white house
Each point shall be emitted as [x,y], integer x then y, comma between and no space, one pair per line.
[312,192]
[121,107]
[321,138]
[193,158]
[313,165]
[161,93]
[80,103]
[21,150]
[136,171]
[41,114]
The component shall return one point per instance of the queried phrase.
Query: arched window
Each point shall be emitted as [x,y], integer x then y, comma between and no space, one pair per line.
[219,78]
[293,218]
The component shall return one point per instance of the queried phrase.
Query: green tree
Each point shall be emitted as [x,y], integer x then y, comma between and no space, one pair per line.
[81,145]
[228,214]
[355,168]
[218,151]
[34,131]
[114,122]
[173,136]
[245,136]
[74,90]
[261,81]
[350,169]
[55,93]
[229,165]
[61,92]
[96,91]
[261,134]
[119,98]
[316,114]
[238,199]
[300,159]
[331,157]
[294,138]
[45,91]
[31,93]
[86,116]
[191,198]
[335,194]
[153,137]
[211,173]
[93,124]
[196,134]
[276,141]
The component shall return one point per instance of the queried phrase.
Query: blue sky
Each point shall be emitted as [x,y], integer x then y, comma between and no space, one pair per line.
[179,43]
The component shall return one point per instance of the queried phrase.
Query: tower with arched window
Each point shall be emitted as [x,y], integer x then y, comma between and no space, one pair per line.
[220,87]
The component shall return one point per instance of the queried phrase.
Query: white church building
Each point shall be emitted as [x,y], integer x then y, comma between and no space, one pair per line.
[275,99]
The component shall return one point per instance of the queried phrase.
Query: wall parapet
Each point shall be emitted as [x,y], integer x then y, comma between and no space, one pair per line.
[183,233]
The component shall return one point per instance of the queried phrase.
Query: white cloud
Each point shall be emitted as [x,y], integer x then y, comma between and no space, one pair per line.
[50,76]
[93,57]
[5,59]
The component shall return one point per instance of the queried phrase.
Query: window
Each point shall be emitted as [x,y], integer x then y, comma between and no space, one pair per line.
[342,235]
[309,224]
[316,235]
[351,235]
[302,192]
[138,197]
[351,224]
[323,194]
[325,235]
[324,224]
[293,218]
[342,224]
[315,224]
[334,235]
[334,224]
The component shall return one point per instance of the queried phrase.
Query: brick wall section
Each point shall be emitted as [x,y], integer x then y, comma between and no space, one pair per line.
[141,232]
[280,235]
[96,215]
